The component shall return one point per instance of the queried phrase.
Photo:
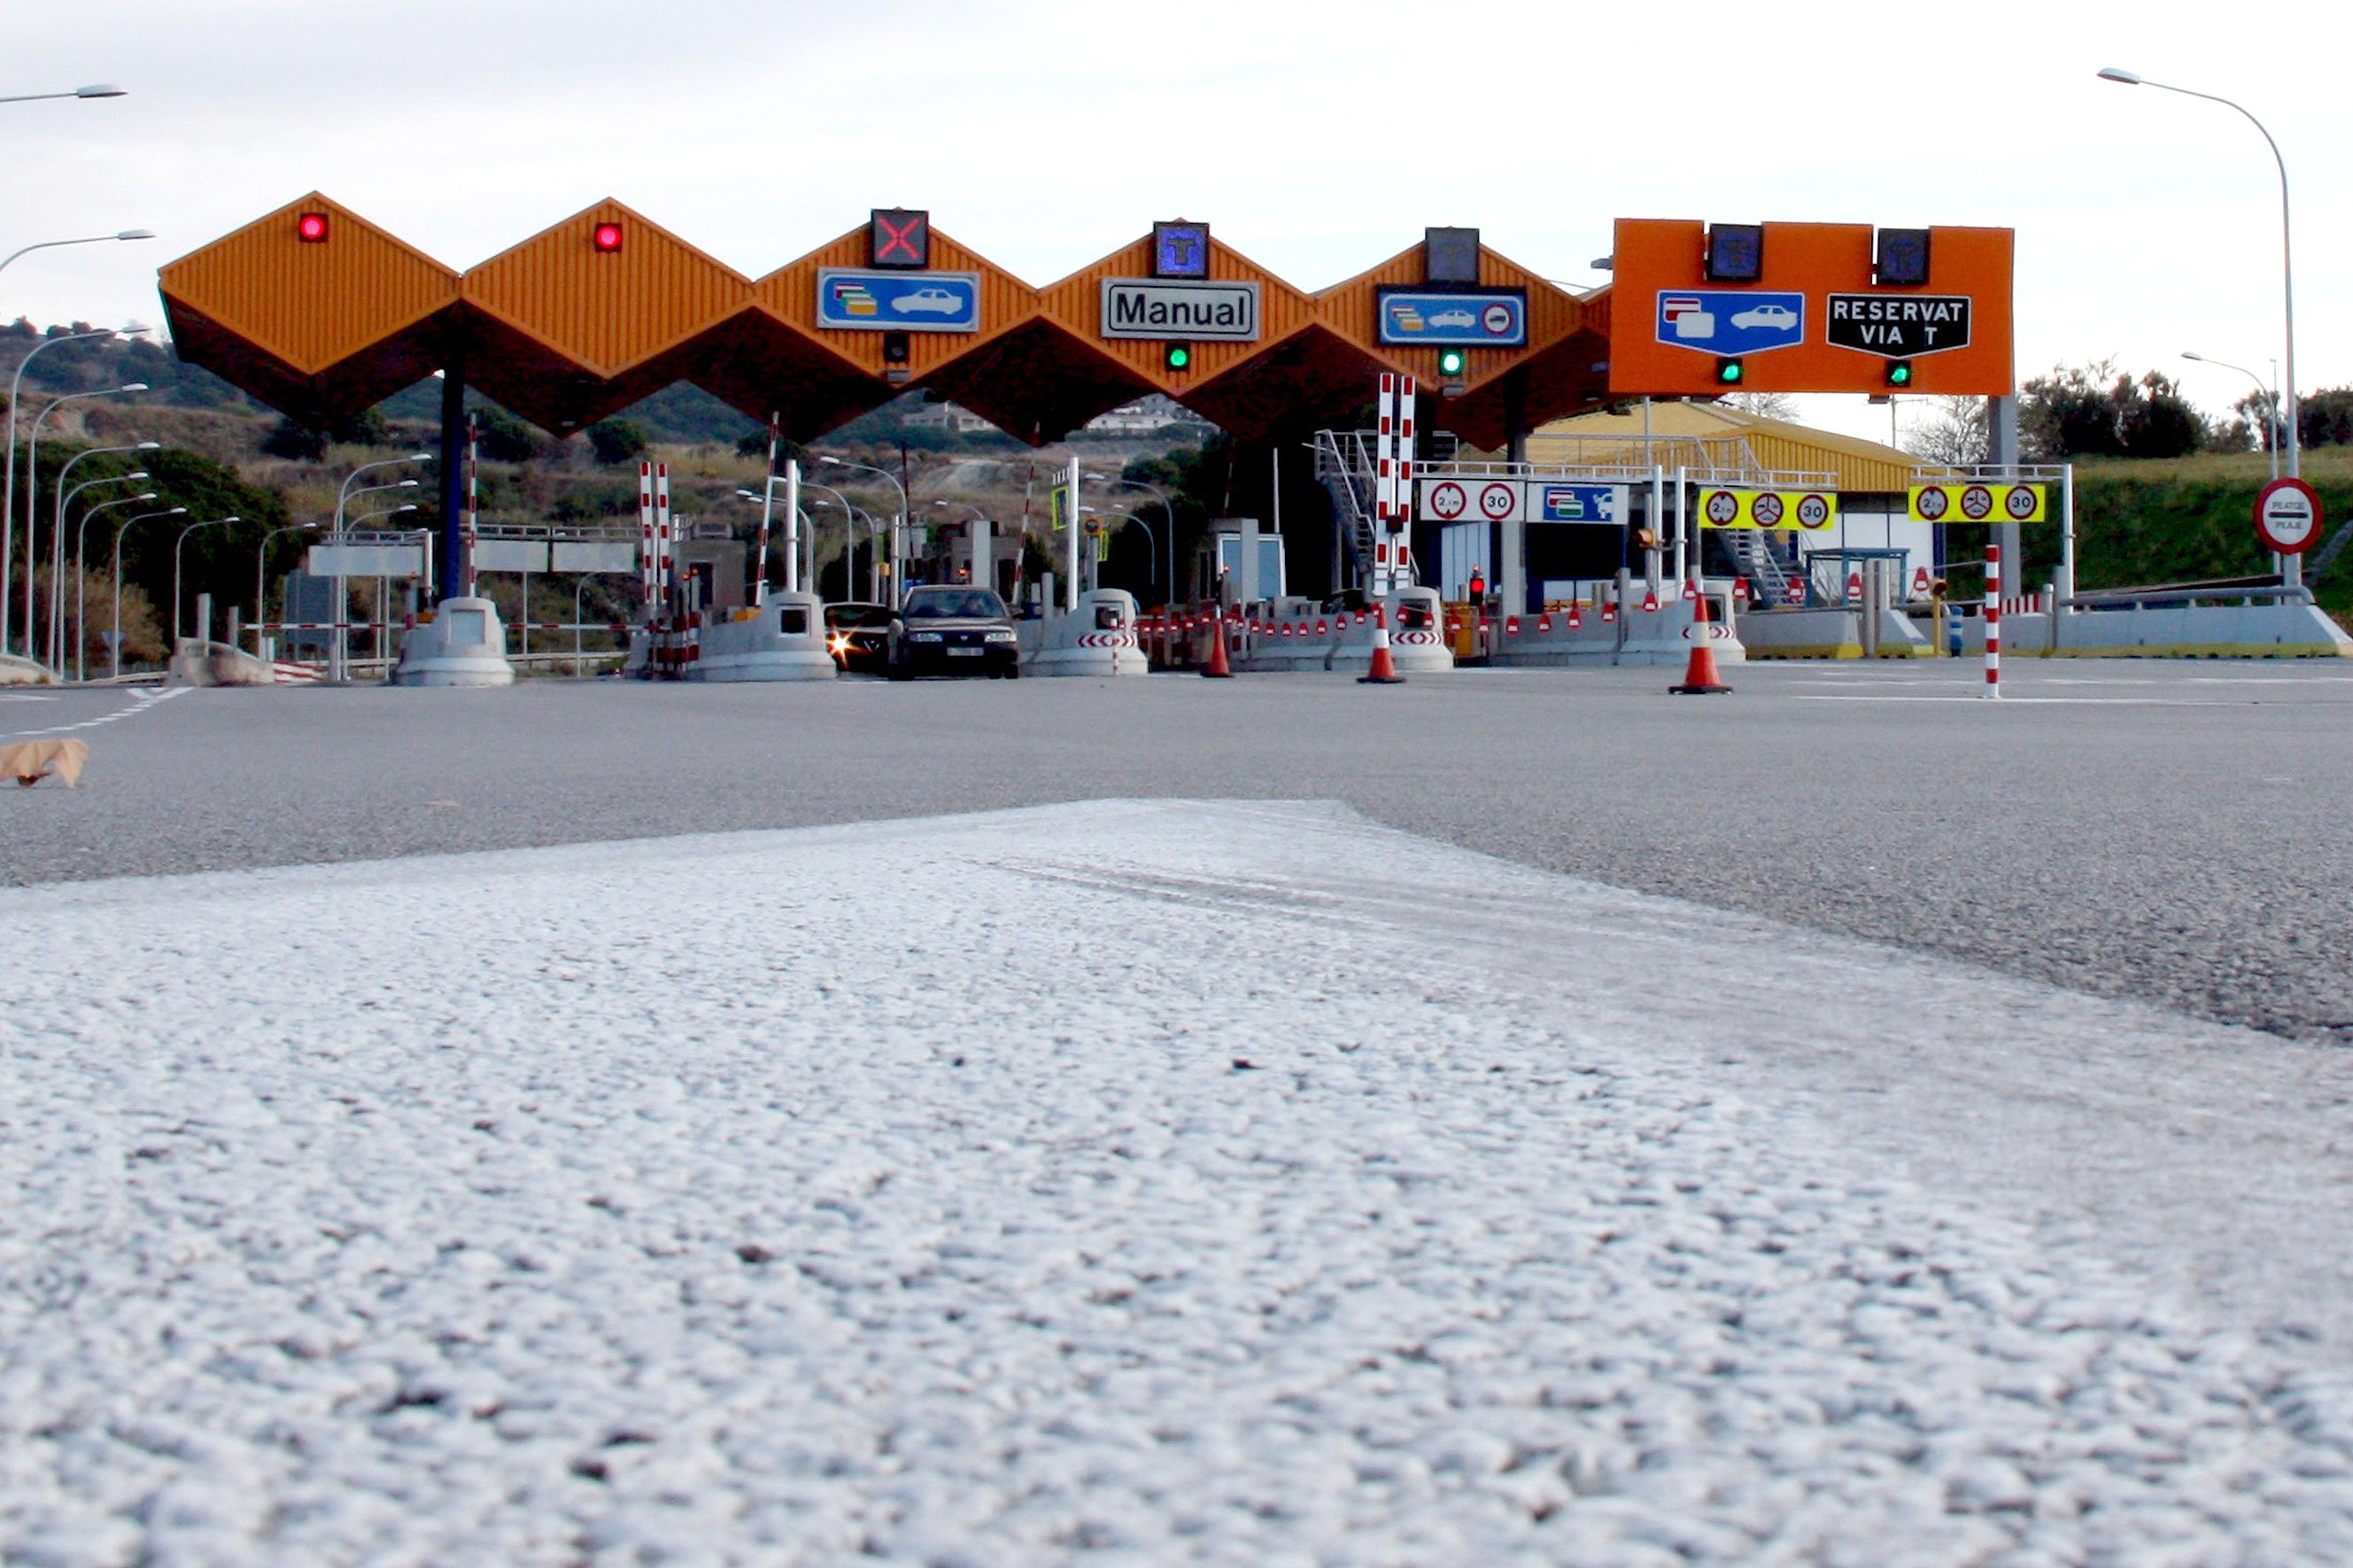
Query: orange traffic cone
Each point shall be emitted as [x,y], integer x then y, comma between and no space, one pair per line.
[1217,669]
[1383,669]
[1699,676]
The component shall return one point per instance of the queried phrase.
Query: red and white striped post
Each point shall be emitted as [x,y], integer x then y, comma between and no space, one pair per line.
[473,502]
[1993,620]
[663,537]
[646,539]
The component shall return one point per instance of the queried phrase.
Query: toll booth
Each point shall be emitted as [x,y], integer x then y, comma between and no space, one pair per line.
[1241,563]
[711,574]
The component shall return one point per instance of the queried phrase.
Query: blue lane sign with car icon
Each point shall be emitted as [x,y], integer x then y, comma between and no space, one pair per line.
[858,300]
[1484,318]
[1730,321]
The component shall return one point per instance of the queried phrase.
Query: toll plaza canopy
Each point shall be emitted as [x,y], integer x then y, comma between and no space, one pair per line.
[321,314]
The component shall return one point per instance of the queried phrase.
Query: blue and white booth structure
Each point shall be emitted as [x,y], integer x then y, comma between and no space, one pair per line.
[1097,637]
[783,640]
[462,643]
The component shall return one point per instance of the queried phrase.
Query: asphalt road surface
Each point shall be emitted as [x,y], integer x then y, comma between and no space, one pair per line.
[2173,833]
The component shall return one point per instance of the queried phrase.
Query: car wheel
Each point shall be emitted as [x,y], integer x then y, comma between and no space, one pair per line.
[1012,672]
[899,672]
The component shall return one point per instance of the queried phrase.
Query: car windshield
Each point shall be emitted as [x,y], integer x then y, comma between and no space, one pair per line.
[954,604]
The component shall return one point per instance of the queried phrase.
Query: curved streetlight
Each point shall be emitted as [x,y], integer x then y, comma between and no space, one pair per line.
[851,513]
[260,567]
[95,90]
[2269,398]
[1152,539]
[56,575]
[2287,269]
[1167,509]
[33,484]
[338,646]
[120,529]
[211,522]
[58,536]
[8,487]
[77,239]
[80,634]
[898,524]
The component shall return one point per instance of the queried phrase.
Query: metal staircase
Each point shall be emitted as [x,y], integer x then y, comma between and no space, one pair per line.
[1344,464]
[1768,576]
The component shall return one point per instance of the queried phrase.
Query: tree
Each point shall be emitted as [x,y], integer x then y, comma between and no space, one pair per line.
[288,439]
[2325,419]
[1953,432]
[2098,411]
[503,438]
[617,440]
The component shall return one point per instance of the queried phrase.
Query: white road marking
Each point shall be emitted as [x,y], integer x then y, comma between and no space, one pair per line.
[141,702]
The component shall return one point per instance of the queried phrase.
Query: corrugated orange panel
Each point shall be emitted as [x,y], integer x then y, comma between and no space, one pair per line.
[789,293]
[1075,303]
[606,311]
[311,305]
[1352,308]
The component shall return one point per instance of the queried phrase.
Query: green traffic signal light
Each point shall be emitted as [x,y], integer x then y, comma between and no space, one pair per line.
[1178,356]
[1730,372]
[1451,363]
[1899,372]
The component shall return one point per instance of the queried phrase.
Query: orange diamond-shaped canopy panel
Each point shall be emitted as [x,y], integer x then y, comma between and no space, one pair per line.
[313,310]
[320,313]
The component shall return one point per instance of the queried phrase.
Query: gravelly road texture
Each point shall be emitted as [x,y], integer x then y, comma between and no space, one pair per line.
[2172,833]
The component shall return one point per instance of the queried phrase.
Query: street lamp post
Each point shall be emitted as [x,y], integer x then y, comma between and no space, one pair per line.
[261,579]
[850,513]
[337,647]
[8,488]
[2270,399]
[213,522]
[1167,511]
[898,524]
[123,528]
[382,631]
[56,594]
[1151,541]
[95,90]
[33,485]
[2291,566]
[58,539]
[79,634]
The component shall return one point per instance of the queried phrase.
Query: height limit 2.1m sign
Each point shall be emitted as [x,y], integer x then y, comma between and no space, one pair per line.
[1900,326]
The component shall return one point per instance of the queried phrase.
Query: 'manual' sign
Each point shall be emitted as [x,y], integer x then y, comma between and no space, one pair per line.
[1900,326]
[1167,308]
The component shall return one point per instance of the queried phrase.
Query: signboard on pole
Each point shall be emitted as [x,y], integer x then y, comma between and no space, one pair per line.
[1445,499]
[2287,516]
[365,560]
[1807,512]
[1980,500]
[1811,307]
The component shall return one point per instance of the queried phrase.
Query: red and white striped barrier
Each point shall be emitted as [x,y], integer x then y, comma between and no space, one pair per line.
[285,672]
[1993,620]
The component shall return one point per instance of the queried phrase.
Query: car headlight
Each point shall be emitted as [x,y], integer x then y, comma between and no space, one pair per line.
[1000,637]
[922,636]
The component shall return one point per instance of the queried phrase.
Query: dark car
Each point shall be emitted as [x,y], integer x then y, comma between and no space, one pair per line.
[859,637]
[953,631]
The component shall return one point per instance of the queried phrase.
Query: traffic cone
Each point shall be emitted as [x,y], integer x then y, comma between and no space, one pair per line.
[1699,676]
[1797,590]
[1740,589]
[1575,620]
[1649,601]
[1608,611]
[1217,669]
[1691,589]
[1544,622]
[1384,669]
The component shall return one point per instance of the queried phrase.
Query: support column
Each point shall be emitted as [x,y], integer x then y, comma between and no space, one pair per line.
[453,474]
[2001,447]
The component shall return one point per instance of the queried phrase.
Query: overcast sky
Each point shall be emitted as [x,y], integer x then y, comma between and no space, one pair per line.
[1315,138]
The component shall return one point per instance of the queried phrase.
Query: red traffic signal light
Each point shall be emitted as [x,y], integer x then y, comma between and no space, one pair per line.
[608,236]
[310,228]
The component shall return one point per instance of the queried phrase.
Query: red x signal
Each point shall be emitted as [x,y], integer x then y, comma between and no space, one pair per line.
[901,239]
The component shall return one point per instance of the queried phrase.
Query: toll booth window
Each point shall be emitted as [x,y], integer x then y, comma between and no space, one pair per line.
[1413,614]
[1107,617]
[792,620]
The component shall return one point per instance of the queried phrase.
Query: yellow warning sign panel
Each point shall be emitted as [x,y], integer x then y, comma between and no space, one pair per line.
[1980,500]
[1810,510]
